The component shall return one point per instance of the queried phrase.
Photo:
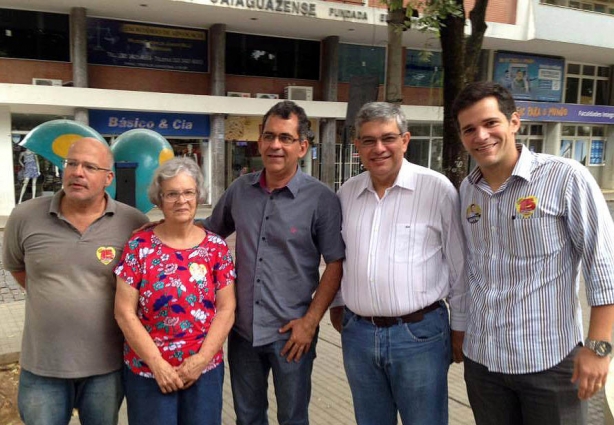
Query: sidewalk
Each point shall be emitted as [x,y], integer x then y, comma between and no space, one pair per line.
[331,402]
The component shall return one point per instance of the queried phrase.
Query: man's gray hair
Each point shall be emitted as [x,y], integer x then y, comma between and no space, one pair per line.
[380,111]
[172,168]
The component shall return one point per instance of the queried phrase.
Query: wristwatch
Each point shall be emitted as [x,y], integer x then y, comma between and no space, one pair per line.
[601,348]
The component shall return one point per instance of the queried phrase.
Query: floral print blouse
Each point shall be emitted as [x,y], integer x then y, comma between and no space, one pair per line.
[176,294]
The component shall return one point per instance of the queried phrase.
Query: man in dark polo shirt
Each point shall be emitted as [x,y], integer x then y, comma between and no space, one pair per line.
[285,222]
[63,250]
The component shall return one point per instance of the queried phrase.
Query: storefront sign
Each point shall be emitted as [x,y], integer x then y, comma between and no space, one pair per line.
[121,43]
[530,77]
[168,125]
[565,112]
[314,9]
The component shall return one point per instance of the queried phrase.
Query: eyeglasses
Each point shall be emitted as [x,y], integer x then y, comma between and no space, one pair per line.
[72,164]
[386,139]
[174,196]
[284,139]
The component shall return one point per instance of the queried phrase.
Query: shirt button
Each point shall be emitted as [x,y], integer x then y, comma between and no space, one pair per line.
[266,218]
[257,280]
[263,238]
[259,259]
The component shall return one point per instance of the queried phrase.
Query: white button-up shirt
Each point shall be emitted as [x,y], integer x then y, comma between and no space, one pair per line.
[406,250]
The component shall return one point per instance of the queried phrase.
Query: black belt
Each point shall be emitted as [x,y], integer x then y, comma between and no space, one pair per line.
[386,321]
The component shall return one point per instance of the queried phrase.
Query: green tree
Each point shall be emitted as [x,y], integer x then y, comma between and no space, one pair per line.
[460,56]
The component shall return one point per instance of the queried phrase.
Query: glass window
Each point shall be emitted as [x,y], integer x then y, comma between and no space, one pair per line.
[571,92]
[584,130]
[586,94]
[34,35]
[580,150]
[356,60]
[573,68]
[569,130]
[437,155]
[565,151]
[418,152]
[597,152]
[603,71]
[537,130]
[418,130]
[601,93]
[591,88]
[423,69]
[536,146]
[598,131]
[262,56]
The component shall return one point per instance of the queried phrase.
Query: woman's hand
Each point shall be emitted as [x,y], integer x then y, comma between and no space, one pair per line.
[191,369]
[166,376]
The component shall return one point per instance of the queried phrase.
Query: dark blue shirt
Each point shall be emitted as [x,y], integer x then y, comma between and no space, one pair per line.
[281,237]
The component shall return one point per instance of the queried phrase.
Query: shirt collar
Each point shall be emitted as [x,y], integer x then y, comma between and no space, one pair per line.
[522,169]
[258,179]
[54,207]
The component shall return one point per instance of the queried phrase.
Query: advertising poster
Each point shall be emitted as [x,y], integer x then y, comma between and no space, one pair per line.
[120,43]
[529,77]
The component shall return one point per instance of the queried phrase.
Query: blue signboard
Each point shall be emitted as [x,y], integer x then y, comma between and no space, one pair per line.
[139,45]
[168,125]
[565,112]
[530,77]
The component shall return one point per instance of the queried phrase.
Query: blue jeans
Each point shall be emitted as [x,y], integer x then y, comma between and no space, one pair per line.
[50,401]
[541,398]
[249,372]
[402,368]
[201,404]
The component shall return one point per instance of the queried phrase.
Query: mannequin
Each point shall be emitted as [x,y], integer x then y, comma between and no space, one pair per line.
[190,153]
[29,161]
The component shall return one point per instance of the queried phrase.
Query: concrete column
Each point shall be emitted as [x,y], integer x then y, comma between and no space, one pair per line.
[552,139]
[7,188]
[328,127]
[607,178]
[217,139]
[78,44]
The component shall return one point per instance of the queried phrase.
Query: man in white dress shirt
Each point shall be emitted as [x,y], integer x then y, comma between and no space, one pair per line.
[404,256]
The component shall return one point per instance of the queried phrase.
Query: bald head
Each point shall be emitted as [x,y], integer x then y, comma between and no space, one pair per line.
[95,147]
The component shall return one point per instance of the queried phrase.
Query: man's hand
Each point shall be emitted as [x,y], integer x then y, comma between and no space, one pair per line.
[336,318]
[457,345]
[303,330]
[590,372]
[147,226]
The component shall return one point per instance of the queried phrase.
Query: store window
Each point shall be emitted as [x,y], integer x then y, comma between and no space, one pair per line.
[356,60]
[603,6]
[34,35]
[260,56]
[426,146]
[423,69]
[584,143]
[532,136]
[587,84]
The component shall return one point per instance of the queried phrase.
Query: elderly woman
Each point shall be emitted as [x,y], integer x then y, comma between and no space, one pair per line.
[175,305]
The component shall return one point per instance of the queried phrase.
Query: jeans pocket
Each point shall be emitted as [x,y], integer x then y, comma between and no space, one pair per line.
[431,328]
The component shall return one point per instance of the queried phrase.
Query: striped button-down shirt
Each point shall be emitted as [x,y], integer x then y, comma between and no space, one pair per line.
[526,244]
[405,250]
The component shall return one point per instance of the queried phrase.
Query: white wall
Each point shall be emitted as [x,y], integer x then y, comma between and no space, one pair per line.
[7,188]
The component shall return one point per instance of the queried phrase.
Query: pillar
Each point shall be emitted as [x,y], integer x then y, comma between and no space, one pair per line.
[217,139]
[78,45]
[328,132]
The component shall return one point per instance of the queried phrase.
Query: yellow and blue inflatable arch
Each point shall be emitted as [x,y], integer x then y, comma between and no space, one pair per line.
[148,149]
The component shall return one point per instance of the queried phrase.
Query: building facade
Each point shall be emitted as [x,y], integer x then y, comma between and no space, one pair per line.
[203,72]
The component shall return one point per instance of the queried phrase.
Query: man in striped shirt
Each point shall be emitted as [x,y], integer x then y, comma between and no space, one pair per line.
[531,221]
[404,255]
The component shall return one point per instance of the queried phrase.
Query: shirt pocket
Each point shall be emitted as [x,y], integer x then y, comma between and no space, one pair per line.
[536,237]
[401,242]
